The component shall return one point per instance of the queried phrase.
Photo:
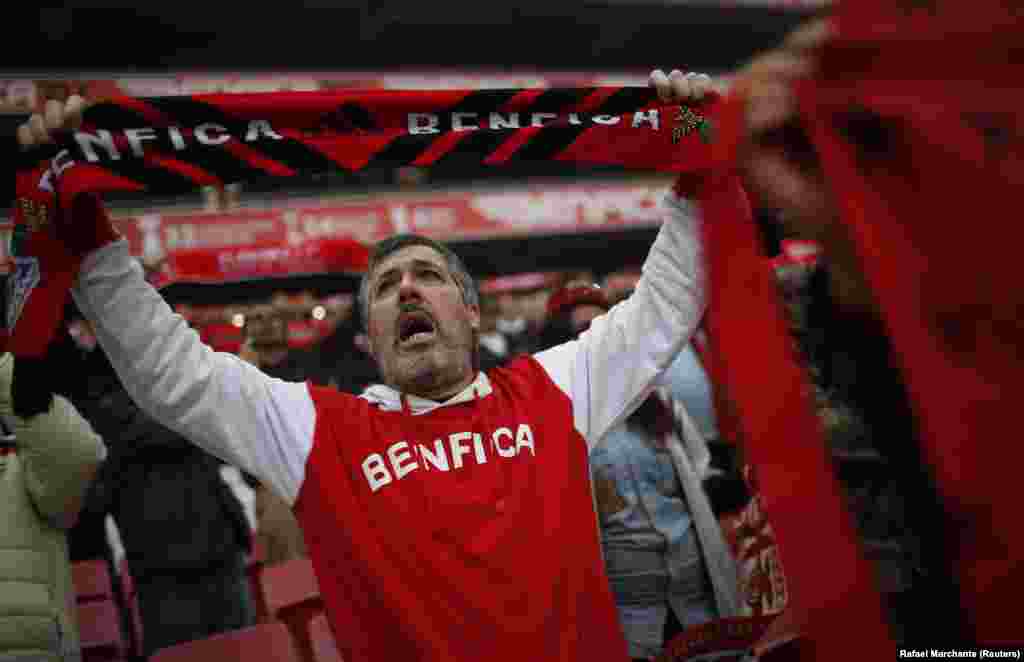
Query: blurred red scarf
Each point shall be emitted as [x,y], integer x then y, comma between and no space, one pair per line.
[916,114]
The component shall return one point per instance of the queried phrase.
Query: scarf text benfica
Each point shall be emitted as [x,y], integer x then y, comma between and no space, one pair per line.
[175,144]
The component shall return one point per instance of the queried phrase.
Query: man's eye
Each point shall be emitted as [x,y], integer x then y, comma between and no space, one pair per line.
[384,286]
[431,273]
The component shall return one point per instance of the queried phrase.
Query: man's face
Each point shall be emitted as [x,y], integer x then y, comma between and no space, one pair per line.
[266,327]
[421,331]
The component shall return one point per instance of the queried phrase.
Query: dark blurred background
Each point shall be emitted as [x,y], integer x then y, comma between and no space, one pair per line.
[612,34]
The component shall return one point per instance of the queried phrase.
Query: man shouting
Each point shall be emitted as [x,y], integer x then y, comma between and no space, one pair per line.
[448,512]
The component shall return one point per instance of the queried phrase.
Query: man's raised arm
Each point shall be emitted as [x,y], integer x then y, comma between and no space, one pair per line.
[612,367]
[221,403]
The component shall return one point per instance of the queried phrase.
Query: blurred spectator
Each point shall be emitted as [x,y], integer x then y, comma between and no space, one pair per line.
[266,342]
[47,461]
[668,562]
[494,346]
[343,359]
[185,533]
[521,313]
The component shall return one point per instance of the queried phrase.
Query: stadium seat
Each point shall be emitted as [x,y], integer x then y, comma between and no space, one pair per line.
[292,596]
[99,628]
[266,642]
[321,638]
[92,580]
[289,584]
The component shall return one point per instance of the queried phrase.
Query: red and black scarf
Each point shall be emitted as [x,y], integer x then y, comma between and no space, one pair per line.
[175,144]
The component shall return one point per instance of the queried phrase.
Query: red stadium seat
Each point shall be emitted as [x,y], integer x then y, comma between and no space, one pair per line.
[292,596]
[289,584]
[92,580]
[266,642]
[99,628]
[321,639]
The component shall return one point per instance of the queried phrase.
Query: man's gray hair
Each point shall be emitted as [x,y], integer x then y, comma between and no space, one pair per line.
[384,248]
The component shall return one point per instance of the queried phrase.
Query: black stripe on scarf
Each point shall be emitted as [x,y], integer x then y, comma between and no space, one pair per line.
[484,142]
[291,153]
[547,144]
[407,148]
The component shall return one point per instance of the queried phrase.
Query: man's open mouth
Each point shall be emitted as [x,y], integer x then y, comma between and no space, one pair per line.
[415,328]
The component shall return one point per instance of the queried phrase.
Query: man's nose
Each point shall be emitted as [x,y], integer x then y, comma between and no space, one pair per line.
[407,288]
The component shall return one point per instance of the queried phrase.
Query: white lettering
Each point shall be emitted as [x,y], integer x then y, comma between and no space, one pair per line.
[499,122]
[136,136]
[399,453]
[650,116]
[607,119]
[457,448]
[402,458]
[574,118]
[439,459]
[62,162]
[537,119]
[510,450]
[478,448]
[86,142]
[204,137]
[258,128]
[416,125]
[524,439]
[177,140]
[376,471]
[457,119]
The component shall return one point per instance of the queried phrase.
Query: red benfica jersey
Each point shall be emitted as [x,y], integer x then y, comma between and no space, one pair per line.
[464,533]
[459,530]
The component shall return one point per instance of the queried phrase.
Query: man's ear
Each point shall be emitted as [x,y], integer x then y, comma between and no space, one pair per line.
[474,315]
